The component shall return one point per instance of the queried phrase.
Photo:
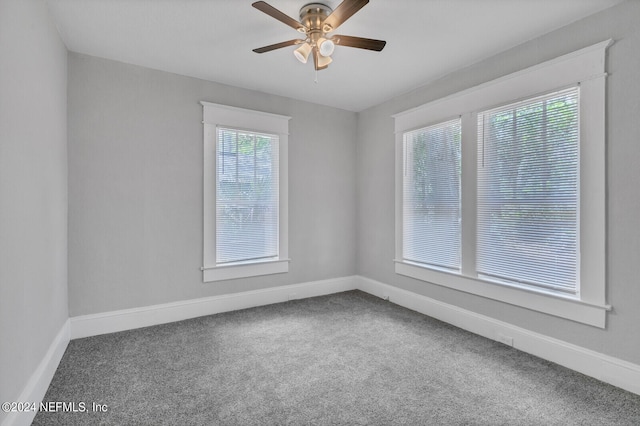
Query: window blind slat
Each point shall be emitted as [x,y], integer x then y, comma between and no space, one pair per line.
[246,196]
[527,206]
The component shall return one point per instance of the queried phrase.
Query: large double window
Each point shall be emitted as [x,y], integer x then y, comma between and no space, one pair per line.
[501,189]
[245,193]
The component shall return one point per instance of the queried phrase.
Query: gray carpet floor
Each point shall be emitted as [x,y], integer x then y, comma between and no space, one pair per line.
[342,359]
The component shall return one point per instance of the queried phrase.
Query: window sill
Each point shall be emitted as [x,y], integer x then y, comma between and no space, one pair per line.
[537,300]
[245,270]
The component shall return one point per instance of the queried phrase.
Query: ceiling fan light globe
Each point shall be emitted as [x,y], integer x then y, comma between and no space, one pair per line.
[324,61]
[302,52]
[325,47]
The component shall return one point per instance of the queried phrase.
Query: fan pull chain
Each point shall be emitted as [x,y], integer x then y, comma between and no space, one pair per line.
[316,80]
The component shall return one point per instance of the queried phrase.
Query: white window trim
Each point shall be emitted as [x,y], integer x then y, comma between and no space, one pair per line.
[215,115]
[585,67]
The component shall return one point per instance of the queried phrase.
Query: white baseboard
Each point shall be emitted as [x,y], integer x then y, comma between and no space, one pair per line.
[39,381]
[608,369]
[127,319]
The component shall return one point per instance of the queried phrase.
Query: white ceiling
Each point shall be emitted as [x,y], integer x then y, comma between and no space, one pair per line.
[212,40]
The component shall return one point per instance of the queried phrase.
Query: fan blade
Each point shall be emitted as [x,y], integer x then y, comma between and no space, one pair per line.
[316,57]
[277,46]
[344,11]
[275,13]
[359,42]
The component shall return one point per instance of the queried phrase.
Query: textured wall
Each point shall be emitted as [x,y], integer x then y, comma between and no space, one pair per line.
[375,181]
[135,187]
[33,190]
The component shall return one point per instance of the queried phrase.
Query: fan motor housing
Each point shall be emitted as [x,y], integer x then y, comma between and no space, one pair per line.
[312,16]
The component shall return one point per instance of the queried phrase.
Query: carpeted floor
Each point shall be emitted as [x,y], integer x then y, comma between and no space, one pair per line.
[347,358]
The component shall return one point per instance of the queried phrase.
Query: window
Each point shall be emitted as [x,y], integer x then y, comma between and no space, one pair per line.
[431,197]
[508,201]
[527,211]
[246,196]
[245,199]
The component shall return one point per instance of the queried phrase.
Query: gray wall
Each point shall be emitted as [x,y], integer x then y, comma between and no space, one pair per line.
[135,187]
[375,181]
[33,191]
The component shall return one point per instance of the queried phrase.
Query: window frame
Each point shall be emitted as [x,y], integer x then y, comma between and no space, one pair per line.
[217,115]
[585,67]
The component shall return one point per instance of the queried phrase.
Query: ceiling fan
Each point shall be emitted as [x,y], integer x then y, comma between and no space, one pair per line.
[317,21]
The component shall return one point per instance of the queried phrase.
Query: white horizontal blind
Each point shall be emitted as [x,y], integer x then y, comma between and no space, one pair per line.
[431,195]
[246,196]
[527,217]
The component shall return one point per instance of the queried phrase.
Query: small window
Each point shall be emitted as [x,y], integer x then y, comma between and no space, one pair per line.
[245,197]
